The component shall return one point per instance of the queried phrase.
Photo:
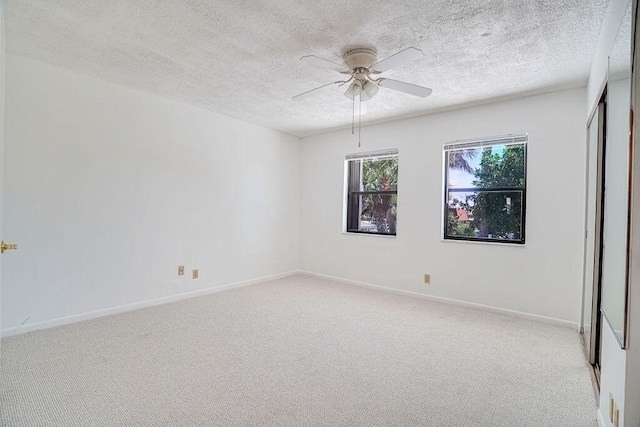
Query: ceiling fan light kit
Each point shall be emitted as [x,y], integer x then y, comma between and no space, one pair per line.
[354,89]
[369,90]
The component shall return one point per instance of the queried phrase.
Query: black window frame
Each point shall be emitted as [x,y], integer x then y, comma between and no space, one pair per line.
[485,143]
[353,192]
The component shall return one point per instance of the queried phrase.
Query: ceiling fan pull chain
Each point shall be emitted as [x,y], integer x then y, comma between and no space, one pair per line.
[353,116]
[359,119]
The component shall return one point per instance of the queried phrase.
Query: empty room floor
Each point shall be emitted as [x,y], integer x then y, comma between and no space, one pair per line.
[298,351]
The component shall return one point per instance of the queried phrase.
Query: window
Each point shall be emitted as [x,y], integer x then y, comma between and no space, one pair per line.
[485,190]
[372,192]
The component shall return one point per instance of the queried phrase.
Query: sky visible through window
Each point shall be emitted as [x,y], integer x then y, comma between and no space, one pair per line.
[462,179]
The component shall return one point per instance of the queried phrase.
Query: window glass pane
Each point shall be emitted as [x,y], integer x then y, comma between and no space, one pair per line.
[485,215]
[461,167]
[486,167]
[378,213]
[460,221]
[375,211]
[380,174]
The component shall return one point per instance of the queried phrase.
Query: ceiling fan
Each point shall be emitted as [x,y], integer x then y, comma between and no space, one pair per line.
[361,65]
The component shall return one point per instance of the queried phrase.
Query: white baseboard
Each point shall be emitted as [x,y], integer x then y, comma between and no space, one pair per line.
[21,329]
[505,311]
[600,419]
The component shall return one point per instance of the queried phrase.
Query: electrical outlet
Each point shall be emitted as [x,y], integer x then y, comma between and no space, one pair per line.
[427,278]
[195,273]
[181,270]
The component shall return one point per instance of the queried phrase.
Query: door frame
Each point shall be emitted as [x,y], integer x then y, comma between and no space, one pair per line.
[3,61]
[593,351]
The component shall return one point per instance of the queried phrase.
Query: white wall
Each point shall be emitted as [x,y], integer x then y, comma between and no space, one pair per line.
[632,367]
[611,357]
[541,278]
[619,374]
[608,32]
[108,190]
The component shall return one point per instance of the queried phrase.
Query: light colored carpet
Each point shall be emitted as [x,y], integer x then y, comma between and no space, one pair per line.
[298,352]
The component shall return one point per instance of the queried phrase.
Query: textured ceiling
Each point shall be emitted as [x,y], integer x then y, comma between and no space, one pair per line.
[242,57]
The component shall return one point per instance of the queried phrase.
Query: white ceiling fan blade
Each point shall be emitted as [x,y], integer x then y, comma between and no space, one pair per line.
[398,60]
[312,92]
[323,63]
[409,88]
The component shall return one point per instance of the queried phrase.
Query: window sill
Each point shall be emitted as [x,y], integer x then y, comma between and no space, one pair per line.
[518,245]
[388,236]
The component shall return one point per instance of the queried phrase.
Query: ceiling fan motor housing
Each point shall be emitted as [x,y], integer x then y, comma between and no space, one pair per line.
[360,58]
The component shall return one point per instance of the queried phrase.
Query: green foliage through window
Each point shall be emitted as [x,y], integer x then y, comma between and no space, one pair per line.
[372,202]
[485,190]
